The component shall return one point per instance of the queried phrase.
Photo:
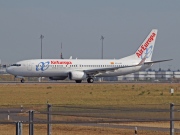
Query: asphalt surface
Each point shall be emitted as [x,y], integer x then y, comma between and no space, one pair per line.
[110,122]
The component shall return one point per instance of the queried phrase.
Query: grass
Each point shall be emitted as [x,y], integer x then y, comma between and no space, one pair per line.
[88,94]
[146,96]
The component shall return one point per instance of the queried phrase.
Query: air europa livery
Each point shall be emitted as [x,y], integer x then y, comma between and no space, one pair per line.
[145,45]
[81,69]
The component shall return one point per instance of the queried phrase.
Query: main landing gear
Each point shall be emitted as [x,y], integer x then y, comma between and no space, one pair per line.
[90,80]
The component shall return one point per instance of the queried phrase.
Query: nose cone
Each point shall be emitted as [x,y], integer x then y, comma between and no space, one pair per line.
[9,70]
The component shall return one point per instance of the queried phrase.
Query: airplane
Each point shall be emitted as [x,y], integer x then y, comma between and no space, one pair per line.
[81,69]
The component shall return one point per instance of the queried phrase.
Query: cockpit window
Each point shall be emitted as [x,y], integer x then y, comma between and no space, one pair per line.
[17,65]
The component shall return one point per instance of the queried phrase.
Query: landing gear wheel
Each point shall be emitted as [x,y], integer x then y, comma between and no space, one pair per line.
[22,80]
[78,81]
[90,80]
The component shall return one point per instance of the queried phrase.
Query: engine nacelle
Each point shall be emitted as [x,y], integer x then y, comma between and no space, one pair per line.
[58,78]
[77,75]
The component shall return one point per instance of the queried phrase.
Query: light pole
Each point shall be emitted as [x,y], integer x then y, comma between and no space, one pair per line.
[41,37]
[102,38]
[61,56]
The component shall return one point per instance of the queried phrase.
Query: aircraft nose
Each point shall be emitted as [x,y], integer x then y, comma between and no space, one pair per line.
[9,70]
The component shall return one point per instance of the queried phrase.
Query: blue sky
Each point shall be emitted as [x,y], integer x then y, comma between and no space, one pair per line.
[79,24]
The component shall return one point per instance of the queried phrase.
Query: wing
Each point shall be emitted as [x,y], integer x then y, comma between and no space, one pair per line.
[94,72]
[104,70]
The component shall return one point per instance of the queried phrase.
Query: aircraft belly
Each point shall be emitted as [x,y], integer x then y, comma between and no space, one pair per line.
[53,73]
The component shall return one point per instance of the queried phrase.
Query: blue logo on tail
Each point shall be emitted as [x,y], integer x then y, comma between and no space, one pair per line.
[148,52]
[42,66]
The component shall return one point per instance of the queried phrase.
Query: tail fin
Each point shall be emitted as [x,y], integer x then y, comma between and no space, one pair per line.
[143,60]
[147,47]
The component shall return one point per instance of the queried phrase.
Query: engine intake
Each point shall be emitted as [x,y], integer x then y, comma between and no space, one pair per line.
[77,75]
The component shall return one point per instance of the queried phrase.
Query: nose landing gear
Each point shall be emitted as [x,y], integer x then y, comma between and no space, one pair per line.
[22,80]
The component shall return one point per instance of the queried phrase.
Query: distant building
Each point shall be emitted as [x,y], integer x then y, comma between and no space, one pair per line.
[3,71]
[151,75]
[2,68]
[176,74]
[129,77]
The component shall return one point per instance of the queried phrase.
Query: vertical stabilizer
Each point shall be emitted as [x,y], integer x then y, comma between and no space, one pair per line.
[147,47]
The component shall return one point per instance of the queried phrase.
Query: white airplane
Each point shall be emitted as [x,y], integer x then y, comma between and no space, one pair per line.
[81,69]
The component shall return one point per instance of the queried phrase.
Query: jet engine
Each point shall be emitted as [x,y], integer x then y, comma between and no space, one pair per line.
[77,75]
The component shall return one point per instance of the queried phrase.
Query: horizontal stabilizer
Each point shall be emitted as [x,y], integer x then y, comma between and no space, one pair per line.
[151,62]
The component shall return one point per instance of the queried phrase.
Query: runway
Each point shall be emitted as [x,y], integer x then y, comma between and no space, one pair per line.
[19,114]
[84,82]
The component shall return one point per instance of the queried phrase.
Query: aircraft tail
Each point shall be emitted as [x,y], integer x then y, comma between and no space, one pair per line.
[145,50]
[147,47]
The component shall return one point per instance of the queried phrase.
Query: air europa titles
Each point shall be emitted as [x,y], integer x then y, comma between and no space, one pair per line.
[61,62]
[144,46]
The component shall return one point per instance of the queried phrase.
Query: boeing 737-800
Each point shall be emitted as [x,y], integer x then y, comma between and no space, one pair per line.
[81,69]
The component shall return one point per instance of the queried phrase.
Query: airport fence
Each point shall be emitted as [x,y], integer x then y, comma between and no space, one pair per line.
[36,119]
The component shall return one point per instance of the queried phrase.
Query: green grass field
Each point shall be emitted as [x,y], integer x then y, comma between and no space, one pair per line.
[146,96]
